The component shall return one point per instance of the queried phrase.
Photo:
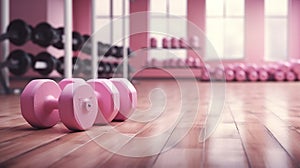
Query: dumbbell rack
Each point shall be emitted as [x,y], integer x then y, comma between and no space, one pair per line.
[4,75]
[161,72]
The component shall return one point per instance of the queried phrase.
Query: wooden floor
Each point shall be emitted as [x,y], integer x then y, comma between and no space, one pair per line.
[259,127]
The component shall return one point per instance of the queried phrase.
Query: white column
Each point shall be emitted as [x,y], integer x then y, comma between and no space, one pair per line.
[125,56]
[68,39]
[5,43]
[94,53]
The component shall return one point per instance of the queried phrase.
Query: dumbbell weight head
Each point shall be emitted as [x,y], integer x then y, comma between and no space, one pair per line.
[219,74]
[174,43]
[128,98]
[102,68]
[87,66]
[180,63]
[86,37]
[76,65]
[18,62]
[165,43]
[119,52]
[189,62]
[229,75]
[19,32]
[60,43]
[284,67]
[263,75]
[115,67]
[239,67]
[272,68]
[251,68]
[153,42]
[105,49]
[63,83]
[240,75]
[252,75]
[290,76]
[44,63]
[205,75]
[197,63]
[77,40]
[296,67]
[182,43]
[279,76]
[43,104]
[44,35]
[108,100]
[112,51]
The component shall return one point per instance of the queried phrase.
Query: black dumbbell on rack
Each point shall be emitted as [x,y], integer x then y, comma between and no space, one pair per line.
[18,32]
[77,65]
[44,63]
[105,69]
[18,62]
[105,50]
[45,35]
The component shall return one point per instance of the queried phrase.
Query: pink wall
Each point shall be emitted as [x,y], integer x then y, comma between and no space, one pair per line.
[82,16]
[254,30]
[138,31]
[294,29]
[196,23]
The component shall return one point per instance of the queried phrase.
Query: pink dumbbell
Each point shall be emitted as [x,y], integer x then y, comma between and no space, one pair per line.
[239,67]
[165,43]
[153,42]
[284,67]
[252,75]
[189,61]
[263,75]
[229,75]
[174,43]
[251,68]
[180,63]
[44,104]
[219,74]
[279,76]
[109,94]
[229,67]
[290,76]
[296,67]
[152,63]
[205,75]
[128,98]
[108,100]
[272,69]
[197,63]
[172,63]
[205,72]
[182,43]
[240,75]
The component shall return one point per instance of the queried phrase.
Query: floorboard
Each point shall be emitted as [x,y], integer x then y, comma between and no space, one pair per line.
[258,127]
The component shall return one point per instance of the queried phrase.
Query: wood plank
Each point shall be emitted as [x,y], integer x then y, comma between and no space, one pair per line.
[18,146]
[55,150]
[262,149]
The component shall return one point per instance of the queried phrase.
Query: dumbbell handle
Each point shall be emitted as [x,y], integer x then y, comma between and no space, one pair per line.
[52,103]
[2,65]
[7,64]
[3,37]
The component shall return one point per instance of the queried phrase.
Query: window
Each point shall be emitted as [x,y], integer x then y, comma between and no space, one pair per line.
[110,31]
[276,12]
[225,28]
[167,19]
